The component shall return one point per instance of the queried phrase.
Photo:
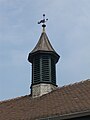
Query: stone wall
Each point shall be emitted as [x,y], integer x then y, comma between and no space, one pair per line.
[41,89]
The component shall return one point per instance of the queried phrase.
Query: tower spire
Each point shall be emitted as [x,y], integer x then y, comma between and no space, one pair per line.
[43,58]
[43,21]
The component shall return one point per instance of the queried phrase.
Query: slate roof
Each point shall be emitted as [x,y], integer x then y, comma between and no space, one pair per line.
[64,101]
[43,44]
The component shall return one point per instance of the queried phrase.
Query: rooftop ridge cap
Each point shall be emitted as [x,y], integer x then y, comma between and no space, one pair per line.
[82,81]
[4,101]
[58,88]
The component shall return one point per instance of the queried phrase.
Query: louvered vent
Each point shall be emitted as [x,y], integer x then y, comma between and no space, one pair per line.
[53,72]
[36,70]
[45,69]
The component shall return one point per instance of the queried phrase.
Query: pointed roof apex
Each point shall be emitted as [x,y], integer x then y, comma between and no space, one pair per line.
[43,44]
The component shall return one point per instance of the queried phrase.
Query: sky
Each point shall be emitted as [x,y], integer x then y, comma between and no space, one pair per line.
[68,29]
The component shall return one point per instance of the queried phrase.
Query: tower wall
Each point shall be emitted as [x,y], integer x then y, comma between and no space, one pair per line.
[41,89]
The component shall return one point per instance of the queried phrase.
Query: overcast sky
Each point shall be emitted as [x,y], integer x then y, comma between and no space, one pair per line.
[68,29]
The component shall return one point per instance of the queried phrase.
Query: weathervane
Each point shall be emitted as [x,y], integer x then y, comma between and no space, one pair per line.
[43,21]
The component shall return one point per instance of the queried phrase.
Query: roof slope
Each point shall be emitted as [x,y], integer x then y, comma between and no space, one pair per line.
[66,100]
[43,44]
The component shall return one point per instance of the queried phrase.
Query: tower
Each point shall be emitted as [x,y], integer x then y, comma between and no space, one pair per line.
[43,58]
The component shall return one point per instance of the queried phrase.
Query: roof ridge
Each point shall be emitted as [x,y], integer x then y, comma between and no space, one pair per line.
[58,88]
[79,82]
[4,101]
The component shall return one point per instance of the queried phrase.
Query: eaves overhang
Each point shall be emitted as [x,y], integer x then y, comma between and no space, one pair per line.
[40,52]
[68,116]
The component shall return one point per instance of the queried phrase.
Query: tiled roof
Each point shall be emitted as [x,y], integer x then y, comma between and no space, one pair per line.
[63,101]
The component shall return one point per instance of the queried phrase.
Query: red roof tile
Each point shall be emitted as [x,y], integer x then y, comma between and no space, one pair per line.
[66,100]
